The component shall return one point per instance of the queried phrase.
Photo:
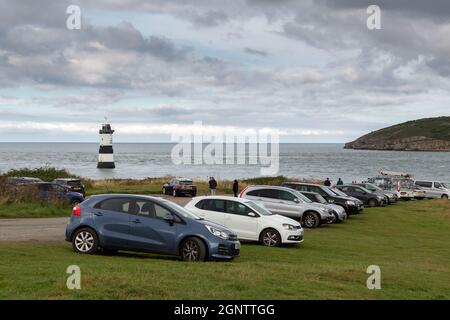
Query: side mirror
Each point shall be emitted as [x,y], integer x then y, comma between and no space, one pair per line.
[296,200]
[169,218]
[251,214]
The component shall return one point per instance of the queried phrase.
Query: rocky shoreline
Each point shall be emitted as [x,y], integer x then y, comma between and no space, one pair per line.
[418,143]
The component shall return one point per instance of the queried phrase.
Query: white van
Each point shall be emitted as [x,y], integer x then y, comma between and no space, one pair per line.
[434,189]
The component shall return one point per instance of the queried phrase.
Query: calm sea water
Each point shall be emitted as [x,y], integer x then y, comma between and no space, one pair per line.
[154,160]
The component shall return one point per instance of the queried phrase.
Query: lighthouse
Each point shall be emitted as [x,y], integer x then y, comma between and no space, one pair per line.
[105,152]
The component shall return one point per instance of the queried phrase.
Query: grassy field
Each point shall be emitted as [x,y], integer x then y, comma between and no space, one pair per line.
[409,241]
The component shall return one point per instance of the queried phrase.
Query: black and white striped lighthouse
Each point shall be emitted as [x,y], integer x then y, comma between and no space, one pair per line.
[106,153]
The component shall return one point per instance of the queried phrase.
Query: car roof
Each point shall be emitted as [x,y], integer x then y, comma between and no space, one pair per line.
[304,183]
[308,192]
[221,198]
[262,186]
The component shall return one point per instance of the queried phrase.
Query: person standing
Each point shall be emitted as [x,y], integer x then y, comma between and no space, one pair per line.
[327,183]
[340,182]
[235,188]
[212,186]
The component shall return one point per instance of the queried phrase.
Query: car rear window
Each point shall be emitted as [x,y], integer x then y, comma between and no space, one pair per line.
[186,182]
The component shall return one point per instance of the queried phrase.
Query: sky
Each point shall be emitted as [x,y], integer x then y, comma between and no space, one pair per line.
[311,70]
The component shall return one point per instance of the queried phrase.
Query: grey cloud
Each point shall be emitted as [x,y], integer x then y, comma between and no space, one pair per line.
[260,53]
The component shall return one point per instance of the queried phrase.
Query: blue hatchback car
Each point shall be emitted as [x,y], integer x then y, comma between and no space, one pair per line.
[147,224]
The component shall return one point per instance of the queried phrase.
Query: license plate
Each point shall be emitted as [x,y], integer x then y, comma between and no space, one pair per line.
[237,245]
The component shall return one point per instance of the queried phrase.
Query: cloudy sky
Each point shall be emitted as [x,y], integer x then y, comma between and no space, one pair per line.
[309,68]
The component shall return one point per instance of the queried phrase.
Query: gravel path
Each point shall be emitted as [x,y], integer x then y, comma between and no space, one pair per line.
[43,229]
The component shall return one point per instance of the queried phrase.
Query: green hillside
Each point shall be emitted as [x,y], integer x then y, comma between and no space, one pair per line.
[430,134]
[434,128]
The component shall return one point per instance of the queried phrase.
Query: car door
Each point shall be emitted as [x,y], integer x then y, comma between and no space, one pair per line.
[212,210]
[359,193]
[289,204]
[438,190]
[269,198]
[149,231]
[242,220]
[112,221]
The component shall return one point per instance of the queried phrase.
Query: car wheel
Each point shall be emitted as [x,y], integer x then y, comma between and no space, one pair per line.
[193,249]
[373,203]
[270,238]
[311,220]
[85,240]
[444,196]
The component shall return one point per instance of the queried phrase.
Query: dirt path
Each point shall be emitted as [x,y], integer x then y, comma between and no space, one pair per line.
[43,229]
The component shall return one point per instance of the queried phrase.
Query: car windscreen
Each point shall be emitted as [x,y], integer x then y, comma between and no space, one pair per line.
[338,192]
[446,185]
[184,212]
[259,209]
[301,196]
[321,199]
[328,191]
[373,187]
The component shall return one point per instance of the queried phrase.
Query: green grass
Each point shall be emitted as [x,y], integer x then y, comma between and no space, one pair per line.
[409,241]
[34,210]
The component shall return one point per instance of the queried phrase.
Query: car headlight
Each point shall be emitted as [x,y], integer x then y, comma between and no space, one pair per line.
[330,201]
[289,226]
[351,203]
[217,232]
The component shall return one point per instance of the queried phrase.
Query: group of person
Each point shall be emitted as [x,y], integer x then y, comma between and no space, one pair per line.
[212,184]
[327,182]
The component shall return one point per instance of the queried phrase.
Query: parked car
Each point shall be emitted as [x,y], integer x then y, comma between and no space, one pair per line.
[248,220]
[114,222]
[434,189]
[391,197]
[289,203]
[48,191]
[338,211]
[180,187]
[71,184]
[23,180]
[369,198]
[350,204]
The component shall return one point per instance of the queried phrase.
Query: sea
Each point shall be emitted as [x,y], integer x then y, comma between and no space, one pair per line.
[296,160]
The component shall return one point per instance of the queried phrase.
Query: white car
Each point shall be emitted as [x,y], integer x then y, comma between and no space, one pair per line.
[250,221]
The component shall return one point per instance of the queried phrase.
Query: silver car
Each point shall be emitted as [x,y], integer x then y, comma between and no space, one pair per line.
[434,189]
[290,203]
[338,211]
